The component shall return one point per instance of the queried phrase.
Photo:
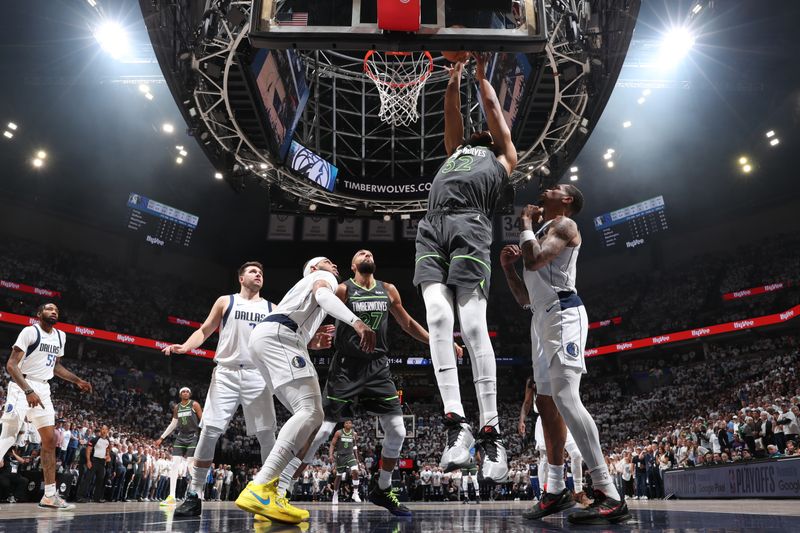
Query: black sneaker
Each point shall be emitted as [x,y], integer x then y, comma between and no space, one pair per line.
[388,499]
[603,511]
[459,440]
[192,506]
[550,504]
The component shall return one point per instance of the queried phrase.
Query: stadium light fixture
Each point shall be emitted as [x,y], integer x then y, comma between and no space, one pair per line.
[183,153]
[144,88]
[387,217]
[574,177]
[92,3]
[113,39]
[641,100]
[697,9]
[167,127]
[775,142]
[12,126]
[608,156]
[627,124]
[770,133]
[647,92]
[41,154]
[312,207]
[218,175]
[573,169]
[37,163]
[263,166]
[8,135]
[743,160]
[675,45]
[610,164]
[747,168]
[179,160]
[149,96]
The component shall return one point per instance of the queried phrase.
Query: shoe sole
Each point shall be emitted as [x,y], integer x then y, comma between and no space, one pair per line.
[551,510]
[260,511]
[599,521]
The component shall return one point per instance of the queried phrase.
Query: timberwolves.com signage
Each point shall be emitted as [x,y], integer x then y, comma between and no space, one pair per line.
[777,478]
[389,189]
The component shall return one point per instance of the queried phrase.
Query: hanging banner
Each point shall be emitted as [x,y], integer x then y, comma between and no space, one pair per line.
[183,322]
[21,287]
[350,230]
[410,229]
[315,228]
[281,228]
[94,333]
[746,293]
[510,226]
[381,230]
[775,478]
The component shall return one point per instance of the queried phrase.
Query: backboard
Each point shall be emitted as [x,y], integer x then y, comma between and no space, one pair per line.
[474,25]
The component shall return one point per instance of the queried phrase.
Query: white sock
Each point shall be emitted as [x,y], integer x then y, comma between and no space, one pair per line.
[173,474]
[50,490]
[555,479]
[441,317]
[198,479]
[601,480]
[287,475]
[577,473]
[384,479]
[277,461]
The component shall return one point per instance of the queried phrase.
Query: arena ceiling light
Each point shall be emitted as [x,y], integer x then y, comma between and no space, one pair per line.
[610,164]
[675,45]
[183,153]
[627,124]
[8,135]
[641,100]
[574,177]
[218,175]
[12,126]
[697,8]
[775,142]
[179,160]
[312,207]
[747,168]
[41,154]
[167,128]
[573,169]
[607,156]
[743,160]
[647,92]
[770,133]
[37,163]
[113,38]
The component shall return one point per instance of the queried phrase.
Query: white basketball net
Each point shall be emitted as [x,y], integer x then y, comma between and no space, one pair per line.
[399,77]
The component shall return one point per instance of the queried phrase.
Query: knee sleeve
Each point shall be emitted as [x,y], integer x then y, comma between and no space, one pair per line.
[266,440]
[305,400]
[394,431]
[322,436]
[207,443]
[475,332]
[438,310]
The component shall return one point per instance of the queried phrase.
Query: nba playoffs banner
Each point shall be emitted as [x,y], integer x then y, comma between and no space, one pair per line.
[689,334]
[774,478]
[183,322]
[380,230]
[410,229]
[745,293]
[315,228]
[94,333]
[21,287]
[281,228]
[510,225]
[617,320]
[350,230]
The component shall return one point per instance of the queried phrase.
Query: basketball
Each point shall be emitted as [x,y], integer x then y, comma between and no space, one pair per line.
[455,56]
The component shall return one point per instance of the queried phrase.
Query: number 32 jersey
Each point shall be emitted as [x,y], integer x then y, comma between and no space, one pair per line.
[471,178]
[371,305]
[42,351]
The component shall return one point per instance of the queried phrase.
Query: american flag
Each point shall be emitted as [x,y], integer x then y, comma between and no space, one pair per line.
[293,19]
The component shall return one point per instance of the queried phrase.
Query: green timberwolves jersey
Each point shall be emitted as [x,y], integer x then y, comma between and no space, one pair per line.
[471,178]
[371,305]
[344,446]
[187,419]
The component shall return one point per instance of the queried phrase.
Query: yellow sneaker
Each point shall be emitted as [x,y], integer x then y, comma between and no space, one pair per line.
[264,500]
[302,513]
[170,500]
[259,518]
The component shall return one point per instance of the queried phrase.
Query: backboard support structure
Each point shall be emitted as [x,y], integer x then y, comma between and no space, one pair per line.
[474,25]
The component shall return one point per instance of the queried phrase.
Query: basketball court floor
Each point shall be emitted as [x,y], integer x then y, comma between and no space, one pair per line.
[505,517]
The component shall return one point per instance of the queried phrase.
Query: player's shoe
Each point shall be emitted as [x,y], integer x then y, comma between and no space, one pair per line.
[55,502]
[261,519]
[603,511]
[264,500]
[387,498]
[550,504]
[356,497]
[190,507]
[335,498]
[495,461]
[459,441]
[169,500]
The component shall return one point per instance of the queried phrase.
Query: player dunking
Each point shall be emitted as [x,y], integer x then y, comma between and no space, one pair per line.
[35,359]
[361,380]
[278,346]
[560,326]
[453,267]
[343,453]
[186,417]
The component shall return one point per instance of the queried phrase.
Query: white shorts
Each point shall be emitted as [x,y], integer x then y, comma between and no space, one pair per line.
[280,354]
[41,416]
[560,332]
[234,386]
[569,444]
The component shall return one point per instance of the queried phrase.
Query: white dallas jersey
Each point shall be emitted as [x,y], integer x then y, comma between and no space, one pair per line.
[42,351]
[300,305]
[240,317]
[558,276]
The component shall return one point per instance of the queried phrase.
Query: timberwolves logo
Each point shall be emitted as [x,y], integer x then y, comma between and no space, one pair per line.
[572,350]
[298,362]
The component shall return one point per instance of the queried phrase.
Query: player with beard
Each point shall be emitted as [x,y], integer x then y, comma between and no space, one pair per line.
[360,380]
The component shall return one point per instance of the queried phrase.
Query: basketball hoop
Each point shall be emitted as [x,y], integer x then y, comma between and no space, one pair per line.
[399,77]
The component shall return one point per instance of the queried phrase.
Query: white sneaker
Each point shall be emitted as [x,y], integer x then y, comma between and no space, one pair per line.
[56,502]
[335,499]
[356,497]
[459,441]
[495,461]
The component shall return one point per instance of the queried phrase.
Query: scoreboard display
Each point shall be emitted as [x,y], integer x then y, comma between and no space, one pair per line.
[634,225]
[160,224]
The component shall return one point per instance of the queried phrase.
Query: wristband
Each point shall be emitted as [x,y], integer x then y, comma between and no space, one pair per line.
[27,391]
[525,236]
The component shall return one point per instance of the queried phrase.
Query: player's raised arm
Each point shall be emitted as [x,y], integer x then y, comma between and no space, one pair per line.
[453,120]
[199,336]
[501,134]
